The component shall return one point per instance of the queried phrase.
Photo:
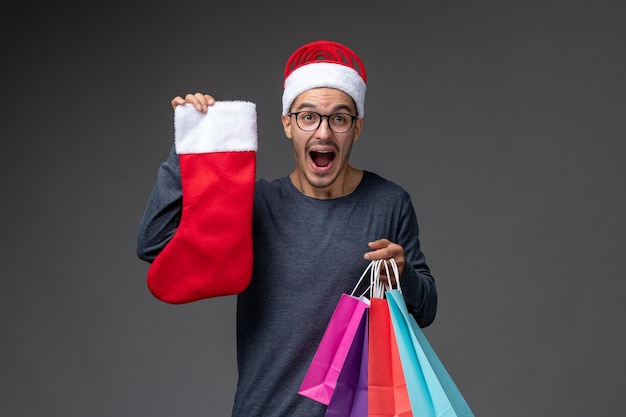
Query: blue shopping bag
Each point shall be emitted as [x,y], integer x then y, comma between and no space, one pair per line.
[432,391]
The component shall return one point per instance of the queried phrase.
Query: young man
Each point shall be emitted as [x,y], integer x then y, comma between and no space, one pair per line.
[314,232]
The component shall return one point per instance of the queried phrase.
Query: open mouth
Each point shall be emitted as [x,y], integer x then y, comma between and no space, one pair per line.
[322,159]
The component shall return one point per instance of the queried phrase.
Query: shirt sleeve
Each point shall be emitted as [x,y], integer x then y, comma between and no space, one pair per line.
[163,210]
[417,283]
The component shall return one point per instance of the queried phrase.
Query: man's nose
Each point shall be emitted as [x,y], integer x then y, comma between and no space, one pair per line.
[324,128]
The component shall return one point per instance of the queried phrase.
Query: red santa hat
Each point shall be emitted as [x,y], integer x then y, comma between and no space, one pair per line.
[324,64]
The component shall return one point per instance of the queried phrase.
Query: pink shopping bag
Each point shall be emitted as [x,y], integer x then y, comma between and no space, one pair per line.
[350,395]
[321,378]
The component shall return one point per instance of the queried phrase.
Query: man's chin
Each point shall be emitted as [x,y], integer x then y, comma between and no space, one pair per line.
[321,180]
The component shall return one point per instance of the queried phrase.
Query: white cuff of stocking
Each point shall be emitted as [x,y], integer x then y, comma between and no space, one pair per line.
[228,126]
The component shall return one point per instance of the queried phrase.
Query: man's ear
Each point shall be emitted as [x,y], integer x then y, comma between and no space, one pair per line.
[358,127]
[286,120]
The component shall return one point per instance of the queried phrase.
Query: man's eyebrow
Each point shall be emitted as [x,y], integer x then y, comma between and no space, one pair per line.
[310,106]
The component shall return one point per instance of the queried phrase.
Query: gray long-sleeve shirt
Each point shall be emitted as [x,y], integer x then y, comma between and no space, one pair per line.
[307,252]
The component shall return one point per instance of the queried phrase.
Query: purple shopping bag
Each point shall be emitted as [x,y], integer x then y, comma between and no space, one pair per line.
[350,395]
[323,372]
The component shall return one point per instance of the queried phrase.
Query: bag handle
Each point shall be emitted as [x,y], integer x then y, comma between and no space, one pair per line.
[377,286]
[369,267]
[396,273]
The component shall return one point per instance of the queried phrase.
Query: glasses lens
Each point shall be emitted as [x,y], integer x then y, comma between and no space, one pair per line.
[308,120]
[340,122]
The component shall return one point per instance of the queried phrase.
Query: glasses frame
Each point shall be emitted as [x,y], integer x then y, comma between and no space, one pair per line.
[327,116]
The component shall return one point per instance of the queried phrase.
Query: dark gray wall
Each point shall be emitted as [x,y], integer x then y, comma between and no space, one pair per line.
[504,120]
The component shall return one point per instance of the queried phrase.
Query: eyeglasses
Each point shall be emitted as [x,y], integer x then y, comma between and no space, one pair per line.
[310,121]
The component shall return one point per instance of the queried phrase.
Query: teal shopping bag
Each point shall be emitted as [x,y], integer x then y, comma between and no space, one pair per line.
[432,391]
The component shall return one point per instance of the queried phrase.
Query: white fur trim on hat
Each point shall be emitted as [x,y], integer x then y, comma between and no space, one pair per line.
[324,74]
[227,126]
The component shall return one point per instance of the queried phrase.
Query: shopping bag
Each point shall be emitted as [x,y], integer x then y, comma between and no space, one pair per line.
[386,388]
[349,397]
[359,405]
[432,391]
[321,376]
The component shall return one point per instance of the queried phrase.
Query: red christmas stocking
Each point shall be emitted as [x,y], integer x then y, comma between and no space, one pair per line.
[210,254]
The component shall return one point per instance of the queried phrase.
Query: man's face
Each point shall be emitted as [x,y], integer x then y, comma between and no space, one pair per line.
[322,155]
